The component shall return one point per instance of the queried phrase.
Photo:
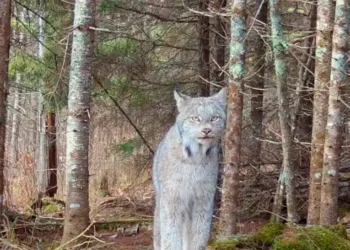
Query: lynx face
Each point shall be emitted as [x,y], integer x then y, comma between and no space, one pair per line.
[202,119]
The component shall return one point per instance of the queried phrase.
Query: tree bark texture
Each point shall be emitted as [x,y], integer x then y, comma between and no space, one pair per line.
[230,188]
[279,50]
[5,36]
[335,123]
[257,83]
[42,168]
[204,49]
[77,171]
[324,28]
[13,152]
[15,124]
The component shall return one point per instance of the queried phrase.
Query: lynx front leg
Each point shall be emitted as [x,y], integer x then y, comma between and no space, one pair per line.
[171,224]
[156,227]
[201,224]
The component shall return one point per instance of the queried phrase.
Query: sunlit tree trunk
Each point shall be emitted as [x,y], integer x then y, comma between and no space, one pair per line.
[15,125]
[42,168]
[324,26]
[204,49]
[13,152]
[279,50]
[335,123]
[77,171]
[5,36]
[229,205]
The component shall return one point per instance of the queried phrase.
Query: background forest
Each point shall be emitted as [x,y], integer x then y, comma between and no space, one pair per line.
[285,157]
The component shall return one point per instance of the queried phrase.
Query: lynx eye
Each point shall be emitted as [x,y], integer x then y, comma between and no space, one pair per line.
[215,118]
[196,118]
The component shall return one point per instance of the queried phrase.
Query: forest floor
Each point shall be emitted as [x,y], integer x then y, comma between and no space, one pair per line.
[119,224]
[49,238]
[124,222]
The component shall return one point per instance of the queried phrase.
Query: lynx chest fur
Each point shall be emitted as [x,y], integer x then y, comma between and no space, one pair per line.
[185,173]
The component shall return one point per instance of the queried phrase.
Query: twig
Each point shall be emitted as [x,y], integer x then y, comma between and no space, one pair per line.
[75,238]
[125,115]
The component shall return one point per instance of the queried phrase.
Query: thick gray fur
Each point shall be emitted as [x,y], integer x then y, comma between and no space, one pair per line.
[185,172]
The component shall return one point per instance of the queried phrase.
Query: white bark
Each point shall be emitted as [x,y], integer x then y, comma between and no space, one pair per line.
[42,170]
[77,163]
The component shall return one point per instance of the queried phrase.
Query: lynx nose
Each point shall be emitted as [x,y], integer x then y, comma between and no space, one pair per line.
[206,131]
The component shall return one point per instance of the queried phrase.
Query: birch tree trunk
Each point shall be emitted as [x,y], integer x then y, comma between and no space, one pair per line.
[77,172]
[322,73]
[5,36]
[42,169]
[15,124]
[335,123]
[229,206]
[204,52]
[13,152]
[279,50]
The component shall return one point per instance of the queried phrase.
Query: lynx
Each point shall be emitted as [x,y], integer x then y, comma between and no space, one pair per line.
[185,173]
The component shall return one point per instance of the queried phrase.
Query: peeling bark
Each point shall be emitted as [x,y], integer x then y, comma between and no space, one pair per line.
[279,49]
[335,120]
[322,73]
[77,164]
[5,35]
[230,187]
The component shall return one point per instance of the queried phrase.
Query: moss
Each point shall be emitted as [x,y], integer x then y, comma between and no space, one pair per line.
[267,234]
[51,205]
[52,208]
[340,230]
[292,244]
[228,244]
[239,241]
[312,238]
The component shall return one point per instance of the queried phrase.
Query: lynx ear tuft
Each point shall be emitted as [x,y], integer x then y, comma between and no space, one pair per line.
[181,100]
[221,96]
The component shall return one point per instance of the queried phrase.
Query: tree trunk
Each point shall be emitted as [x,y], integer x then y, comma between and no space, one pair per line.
[204,52]
[219,74]
[5,36]
[77,168]
[322,73]
[219,45]
[229,206]
[13,152]
[42,168]
[278,199]
[15,125]
[257,83]
[335,123]
[52,154]
[279,51]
